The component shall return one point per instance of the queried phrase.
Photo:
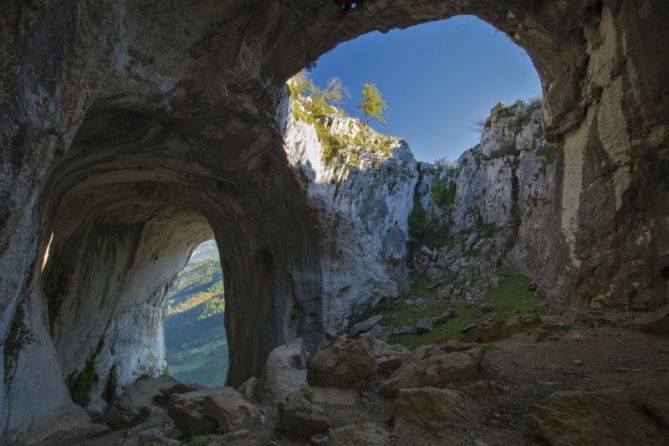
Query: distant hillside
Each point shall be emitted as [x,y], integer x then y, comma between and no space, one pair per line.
[197,350]
[204,251]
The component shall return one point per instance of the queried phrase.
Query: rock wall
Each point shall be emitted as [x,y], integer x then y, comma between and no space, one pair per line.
[362,200]
[495,207]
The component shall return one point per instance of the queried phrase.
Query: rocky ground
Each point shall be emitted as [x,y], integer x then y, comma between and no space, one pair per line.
[568,378]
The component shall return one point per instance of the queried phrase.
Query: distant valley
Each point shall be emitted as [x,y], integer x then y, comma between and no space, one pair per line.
[195,340]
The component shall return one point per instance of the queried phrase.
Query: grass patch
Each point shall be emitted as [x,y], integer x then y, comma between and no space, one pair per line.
[511,297]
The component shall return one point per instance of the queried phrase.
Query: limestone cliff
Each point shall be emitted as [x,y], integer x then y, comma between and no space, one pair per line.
[493,207]
[363,197]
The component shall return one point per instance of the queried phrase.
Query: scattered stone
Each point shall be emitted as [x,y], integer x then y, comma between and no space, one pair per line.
[401,331]
[367,434]
[331,395]
[299,416]
[431,366]
[656,322]
[284,373]
[142,393]
[417,302]
[155,429]
[426,324]
[342,362]
[208,410]
[228,407]
[248,388]
[388,357]
[425,250]
[365,325]
[486,389]
[236,435]
[148,437]
[446,316]
[429,407]
[487,307]
[603,417]
[380,332]
[496,330]
[577,362]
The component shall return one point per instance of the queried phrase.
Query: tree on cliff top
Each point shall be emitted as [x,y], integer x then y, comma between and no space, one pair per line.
[372,104]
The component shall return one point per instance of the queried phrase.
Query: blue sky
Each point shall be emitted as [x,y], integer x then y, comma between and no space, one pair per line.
[437,78]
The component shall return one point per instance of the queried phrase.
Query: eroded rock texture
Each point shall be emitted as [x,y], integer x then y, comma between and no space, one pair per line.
[129,130]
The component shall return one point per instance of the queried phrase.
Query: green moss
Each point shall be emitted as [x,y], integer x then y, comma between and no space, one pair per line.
[81,383]
[512,296]
[308,394]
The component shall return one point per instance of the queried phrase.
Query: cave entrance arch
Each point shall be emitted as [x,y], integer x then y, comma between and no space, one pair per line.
[126,208]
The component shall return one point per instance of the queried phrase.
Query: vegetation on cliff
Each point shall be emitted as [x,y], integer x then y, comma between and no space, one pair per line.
[348,141]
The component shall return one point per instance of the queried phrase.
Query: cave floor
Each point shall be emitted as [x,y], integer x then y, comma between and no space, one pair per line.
[588,352]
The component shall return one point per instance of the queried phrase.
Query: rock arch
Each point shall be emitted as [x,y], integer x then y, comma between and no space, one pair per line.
[156,114]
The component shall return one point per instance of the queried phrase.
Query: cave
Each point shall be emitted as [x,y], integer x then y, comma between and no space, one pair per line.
[133,132]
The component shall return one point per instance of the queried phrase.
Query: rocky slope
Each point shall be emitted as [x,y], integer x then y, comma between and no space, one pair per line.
[559,382]
[493,208]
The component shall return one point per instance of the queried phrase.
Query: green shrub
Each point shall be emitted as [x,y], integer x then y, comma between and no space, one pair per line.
[443,192]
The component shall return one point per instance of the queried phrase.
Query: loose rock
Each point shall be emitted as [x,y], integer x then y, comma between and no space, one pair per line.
[299,416]
[367,434]
[431,366]
[284,373]
[365,325]
[429,407]
[341,363]
[603,417]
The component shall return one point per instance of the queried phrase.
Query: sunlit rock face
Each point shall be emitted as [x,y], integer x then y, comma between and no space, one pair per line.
[497,206]
[362,199]
[119,116]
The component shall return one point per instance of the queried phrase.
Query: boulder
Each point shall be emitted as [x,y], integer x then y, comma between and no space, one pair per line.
[446,316]
[228,407]
[367,434]
[299,416]
[656,322]
[602,417]
[496,330]
[428,407]
[156,428]
[365,325]
[425,325]
[284,373]
[209,410]
[388,357]
[342,362]
[487,307]
[248,388]
[126,410]
[429,366]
